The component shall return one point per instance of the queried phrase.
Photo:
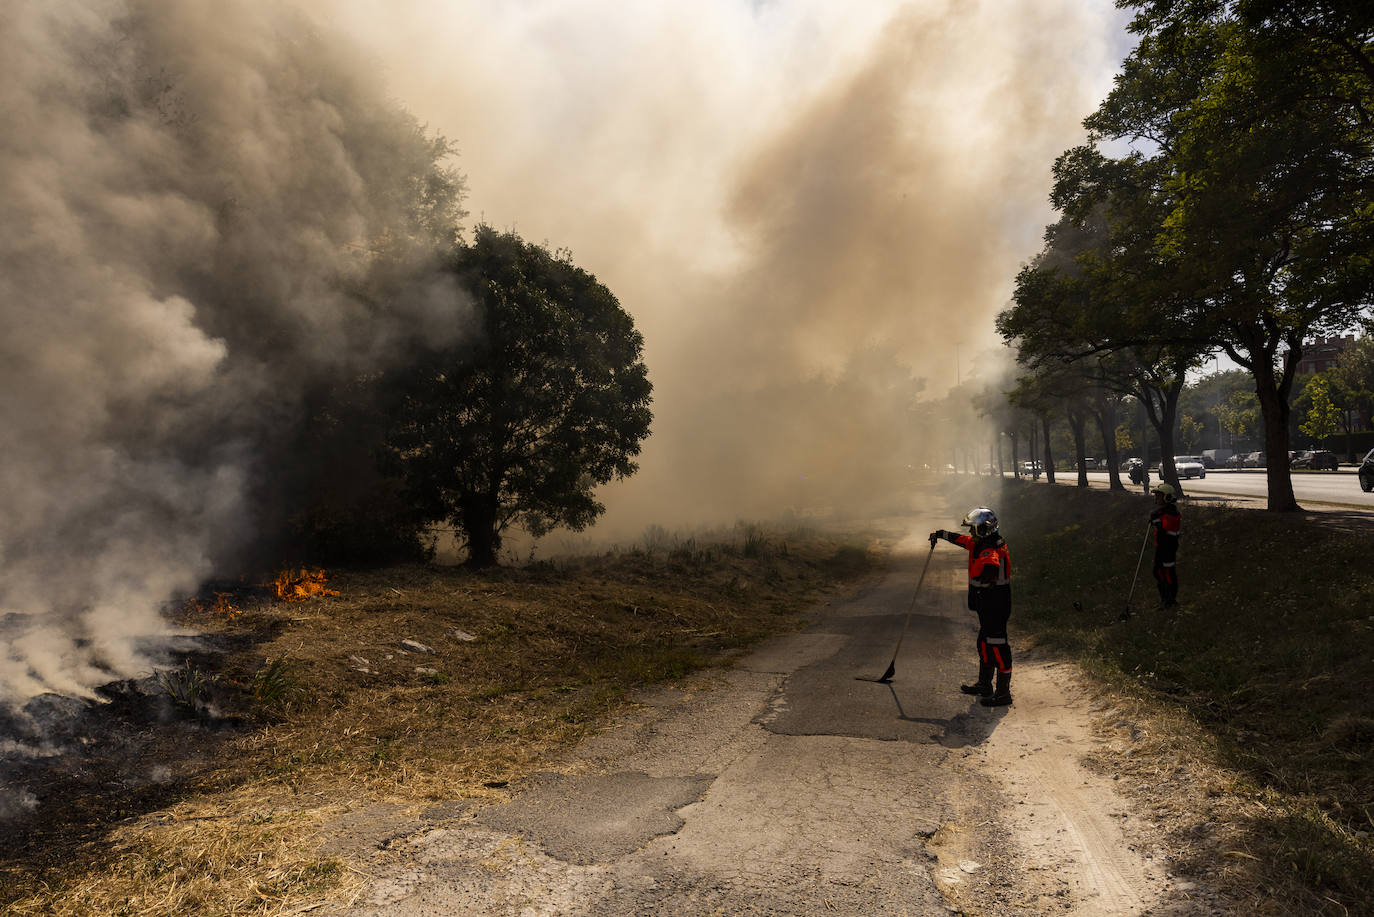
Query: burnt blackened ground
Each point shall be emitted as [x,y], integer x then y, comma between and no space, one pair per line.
[72,768]
[413,683]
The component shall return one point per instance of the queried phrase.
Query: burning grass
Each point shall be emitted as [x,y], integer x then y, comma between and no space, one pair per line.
[1258,680]
[408,687]
[300,585]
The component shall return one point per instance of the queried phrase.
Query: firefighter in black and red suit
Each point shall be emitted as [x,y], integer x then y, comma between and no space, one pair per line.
[1167,523]
[989,594]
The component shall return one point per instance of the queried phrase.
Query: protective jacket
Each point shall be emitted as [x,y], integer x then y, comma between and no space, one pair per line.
[1167,523]
[989,594]
[989,571]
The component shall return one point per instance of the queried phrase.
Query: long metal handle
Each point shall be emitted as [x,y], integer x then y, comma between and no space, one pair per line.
[912,607]
[1138,562]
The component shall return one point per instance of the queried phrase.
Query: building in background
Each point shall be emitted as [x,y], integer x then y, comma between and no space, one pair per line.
[1320,355]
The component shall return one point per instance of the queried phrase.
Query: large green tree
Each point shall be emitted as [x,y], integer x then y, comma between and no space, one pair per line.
[518,424]
[1101,295]
[1256,117]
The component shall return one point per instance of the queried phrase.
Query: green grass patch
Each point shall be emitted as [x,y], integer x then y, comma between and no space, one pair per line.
[1269,652]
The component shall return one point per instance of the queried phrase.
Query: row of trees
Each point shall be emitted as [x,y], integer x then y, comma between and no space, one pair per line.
[1240,221]
[1216,411]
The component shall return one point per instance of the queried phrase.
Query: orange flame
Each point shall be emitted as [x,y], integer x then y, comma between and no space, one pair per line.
[297,586]
[221,606]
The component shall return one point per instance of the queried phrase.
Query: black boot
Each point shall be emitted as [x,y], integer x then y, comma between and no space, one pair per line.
[1002,696]
[983,686]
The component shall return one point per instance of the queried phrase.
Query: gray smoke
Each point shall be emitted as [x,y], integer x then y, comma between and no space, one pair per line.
[811,208]
[195,198]
[807,207]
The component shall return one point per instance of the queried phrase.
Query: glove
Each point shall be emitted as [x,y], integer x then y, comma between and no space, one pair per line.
[936,536]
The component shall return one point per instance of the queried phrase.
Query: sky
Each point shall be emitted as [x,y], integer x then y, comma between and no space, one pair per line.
[812,210]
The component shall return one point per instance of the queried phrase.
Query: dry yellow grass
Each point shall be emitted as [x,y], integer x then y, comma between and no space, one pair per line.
[522,663]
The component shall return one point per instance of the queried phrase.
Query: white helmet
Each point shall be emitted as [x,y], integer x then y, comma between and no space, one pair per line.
[981,521]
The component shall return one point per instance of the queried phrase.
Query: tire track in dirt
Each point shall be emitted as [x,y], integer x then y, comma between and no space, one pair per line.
[1065,819]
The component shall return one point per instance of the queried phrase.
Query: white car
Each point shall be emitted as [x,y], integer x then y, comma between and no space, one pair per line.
[1190,466]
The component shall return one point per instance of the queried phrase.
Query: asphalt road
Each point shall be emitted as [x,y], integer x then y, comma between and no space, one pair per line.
[785,786]
[1315,489]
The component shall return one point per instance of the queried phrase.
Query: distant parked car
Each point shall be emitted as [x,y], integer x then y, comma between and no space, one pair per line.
[1254,460]
[1190,466]
[1317,459]
[1366,472]
[1236,461]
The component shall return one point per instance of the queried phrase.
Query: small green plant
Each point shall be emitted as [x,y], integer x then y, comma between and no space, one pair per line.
[188,687]
[754,541]
[275,684]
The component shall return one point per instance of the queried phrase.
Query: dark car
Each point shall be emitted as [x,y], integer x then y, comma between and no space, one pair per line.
[1317,459]
[1367,472]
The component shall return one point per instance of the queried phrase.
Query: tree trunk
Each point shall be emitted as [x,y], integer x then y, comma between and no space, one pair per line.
[478,523]
[1255,350]
[1106,422]
[1077,423]
[1161,404]
[1049,455]
[1275,411]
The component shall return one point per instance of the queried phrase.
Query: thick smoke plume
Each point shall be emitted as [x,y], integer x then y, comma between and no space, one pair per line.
[193,198]
[811,208]
[814,209]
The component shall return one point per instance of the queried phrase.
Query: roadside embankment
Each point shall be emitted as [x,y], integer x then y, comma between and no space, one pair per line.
[1262,673]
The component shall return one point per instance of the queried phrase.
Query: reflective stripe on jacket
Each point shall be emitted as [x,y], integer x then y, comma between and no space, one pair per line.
[1167,522]
[989,561]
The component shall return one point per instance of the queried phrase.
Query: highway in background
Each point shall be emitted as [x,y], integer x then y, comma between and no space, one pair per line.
[1315,489]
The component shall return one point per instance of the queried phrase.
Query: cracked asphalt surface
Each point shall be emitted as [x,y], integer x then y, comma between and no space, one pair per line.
[785,785]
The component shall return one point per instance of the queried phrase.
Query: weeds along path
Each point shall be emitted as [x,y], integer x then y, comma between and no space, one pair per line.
[783,785]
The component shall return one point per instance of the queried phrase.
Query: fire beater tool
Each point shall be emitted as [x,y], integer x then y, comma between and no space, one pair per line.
[892,666]
[1126,612]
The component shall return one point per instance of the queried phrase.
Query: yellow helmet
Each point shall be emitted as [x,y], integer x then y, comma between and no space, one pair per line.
[1166,489]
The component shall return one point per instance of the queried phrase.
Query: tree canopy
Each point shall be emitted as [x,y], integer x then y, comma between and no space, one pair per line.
[1242,221]
[520,422]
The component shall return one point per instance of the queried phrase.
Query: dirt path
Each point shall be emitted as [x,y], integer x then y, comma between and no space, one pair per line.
[786,786]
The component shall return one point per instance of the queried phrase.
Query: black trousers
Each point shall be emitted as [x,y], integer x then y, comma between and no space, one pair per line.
[993,606]
[1166,578]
